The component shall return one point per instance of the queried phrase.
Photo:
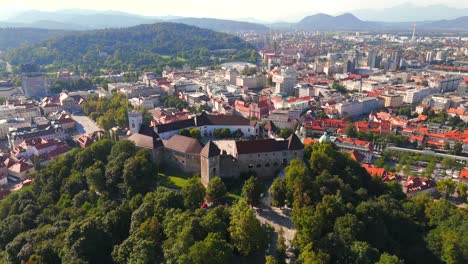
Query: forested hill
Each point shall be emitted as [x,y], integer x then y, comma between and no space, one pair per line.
[144,47]
[101,204]
[15,37]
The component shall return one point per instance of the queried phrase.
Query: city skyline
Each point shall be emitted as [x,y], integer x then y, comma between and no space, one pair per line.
[242,9]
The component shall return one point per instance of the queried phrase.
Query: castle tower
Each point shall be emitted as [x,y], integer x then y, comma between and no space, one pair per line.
[210,162]
[135,120]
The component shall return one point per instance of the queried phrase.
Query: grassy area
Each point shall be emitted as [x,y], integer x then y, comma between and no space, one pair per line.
[173,178]
[178,182]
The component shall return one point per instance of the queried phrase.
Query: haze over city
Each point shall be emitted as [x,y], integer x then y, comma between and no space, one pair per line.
[270,11]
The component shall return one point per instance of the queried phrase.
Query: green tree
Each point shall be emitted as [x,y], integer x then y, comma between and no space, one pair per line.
[380,162]
[446,187]
[195,133]
[251,191]
[386,258]
[457,148]
[447,145]
[461,191]
[225,133]
[216,190]
[278,192]
[247,234]
[270,260]
[193,193]
[308,255]
[213,249]
[350,131]
[95,176]
[139,174]
[285,132]
[184,132]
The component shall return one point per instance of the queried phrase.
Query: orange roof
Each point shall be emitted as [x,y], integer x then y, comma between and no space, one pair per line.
[455,111]
[422,117]
[374,171]
[308,141]
[435,143]
[463,174]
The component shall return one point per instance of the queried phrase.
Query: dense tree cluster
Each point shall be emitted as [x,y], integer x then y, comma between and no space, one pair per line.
[107,112]
[343,215]
[111,112]
[16,37]
[102,204]
[143,47]
[58,85]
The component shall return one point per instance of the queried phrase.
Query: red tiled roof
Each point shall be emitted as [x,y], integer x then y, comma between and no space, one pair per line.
[308,141]
[456,111]
[418,183]
[463,174]
[374,171]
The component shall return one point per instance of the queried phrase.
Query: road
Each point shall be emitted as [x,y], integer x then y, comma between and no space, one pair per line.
[429,152]
[84,124]
[280,220]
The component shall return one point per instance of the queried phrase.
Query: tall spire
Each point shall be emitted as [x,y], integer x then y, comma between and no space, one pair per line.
[413,38]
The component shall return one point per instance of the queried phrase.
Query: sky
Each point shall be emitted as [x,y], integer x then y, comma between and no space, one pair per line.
[272,10]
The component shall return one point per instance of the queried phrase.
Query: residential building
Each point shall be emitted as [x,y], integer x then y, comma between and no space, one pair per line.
[285,81]
[392,100]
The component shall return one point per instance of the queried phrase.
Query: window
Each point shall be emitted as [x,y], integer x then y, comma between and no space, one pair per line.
[275,164]
[214,170]
[250,166]
[258,155]
[259,165]
[248,129]
[267,165]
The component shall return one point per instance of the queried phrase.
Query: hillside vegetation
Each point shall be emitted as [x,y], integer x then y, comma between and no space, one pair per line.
[143,47]
[102,204]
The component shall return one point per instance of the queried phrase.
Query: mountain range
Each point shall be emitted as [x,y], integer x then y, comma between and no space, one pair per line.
[388,19]
[34,26]
[408,12]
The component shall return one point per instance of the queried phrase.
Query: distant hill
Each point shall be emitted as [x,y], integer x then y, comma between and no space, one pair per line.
[408,12]
[460,23]
[81,19]
[222,25]
[145,47]
[15,37]
[45,24]
[326,22]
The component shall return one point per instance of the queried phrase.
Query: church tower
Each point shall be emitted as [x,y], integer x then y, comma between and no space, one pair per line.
[135,120]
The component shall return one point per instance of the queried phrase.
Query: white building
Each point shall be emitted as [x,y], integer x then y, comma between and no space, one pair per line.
[416,95]
[285,81]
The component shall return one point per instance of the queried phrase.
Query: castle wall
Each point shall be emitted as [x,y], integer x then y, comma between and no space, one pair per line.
[188,162]
[264,165]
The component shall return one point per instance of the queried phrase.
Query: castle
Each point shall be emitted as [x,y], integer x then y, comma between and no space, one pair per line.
[223,158]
